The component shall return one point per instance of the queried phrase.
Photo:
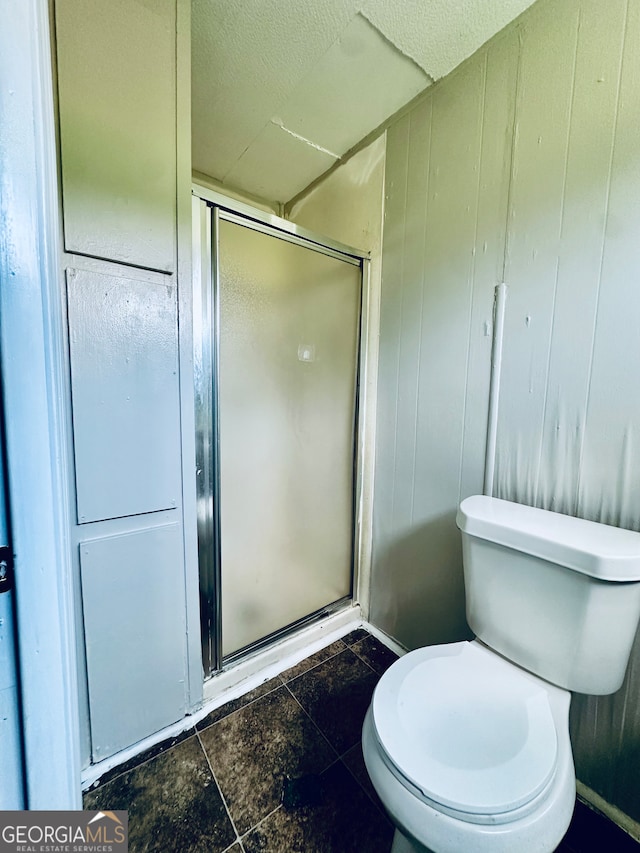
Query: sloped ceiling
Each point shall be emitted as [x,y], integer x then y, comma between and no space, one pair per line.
[282,89]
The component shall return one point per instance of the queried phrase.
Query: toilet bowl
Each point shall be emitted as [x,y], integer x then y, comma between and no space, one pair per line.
[470,752]
[467,744]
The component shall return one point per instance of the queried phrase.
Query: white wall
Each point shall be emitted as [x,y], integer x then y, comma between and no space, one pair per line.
[523,166]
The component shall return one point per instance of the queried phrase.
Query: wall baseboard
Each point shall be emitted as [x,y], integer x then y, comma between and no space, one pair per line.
[620,818]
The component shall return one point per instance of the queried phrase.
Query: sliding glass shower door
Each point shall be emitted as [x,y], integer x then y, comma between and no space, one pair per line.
[284,322]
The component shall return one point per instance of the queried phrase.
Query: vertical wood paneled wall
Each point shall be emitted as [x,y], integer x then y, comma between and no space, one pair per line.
[524,167]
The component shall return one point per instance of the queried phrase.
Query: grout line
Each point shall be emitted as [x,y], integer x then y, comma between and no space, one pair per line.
[339,755]
[376,802]
[260,822]
[168,749]
[336,759]
[222,796]
[316,665]
[346,646]
[331,746]
[366,663]
[283,683]
[242,707]
[374,671]
[361,627]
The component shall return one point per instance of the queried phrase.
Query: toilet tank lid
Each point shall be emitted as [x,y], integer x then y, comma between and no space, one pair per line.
[599,550]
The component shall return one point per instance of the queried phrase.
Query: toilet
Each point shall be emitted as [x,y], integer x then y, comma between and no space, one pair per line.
[467,744]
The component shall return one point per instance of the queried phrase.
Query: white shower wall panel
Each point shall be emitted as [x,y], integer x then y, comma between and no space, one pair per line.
[117,68]
[123,342]
[135,635]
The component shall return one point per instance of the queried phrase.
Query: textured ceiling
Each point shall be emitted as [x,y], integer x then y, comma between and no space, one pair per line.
[281,89]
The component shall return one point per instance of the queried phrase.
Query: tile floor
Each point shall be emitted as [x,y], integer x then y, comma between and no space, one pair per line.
[591,832]
[232,783]
[219,787]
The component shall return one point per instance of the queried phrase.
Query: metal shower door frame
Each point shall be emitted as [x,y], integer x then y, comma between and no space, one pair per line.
[209,208]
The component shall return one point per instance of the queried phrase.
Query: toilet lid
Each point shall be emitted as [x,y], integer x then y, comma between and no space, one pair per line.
[468,729]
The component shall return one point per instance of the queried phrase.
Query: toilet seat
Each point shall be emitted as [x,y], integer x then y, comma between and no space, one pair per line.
[466,729]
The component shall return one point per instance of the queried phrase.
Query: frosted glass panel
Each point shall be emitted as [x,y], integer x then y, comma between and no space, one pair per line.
[289,320]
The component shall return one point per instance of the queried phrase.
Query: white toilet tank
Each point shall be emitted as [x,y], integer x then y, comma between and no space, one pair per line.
[559,596]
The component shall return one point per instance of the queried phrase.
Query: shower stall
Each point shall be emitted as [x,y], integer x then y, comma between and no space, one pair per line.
[277,348]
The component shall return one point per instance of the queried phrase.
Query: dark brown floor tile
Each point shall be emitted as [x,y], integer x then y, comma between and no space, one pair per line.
[336,695]
[592,832]
[343,821]
[173,803]
[143,757]
[375,653]
[354,760]
[240,702]
[253,750]
[353,636]
[313,660]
